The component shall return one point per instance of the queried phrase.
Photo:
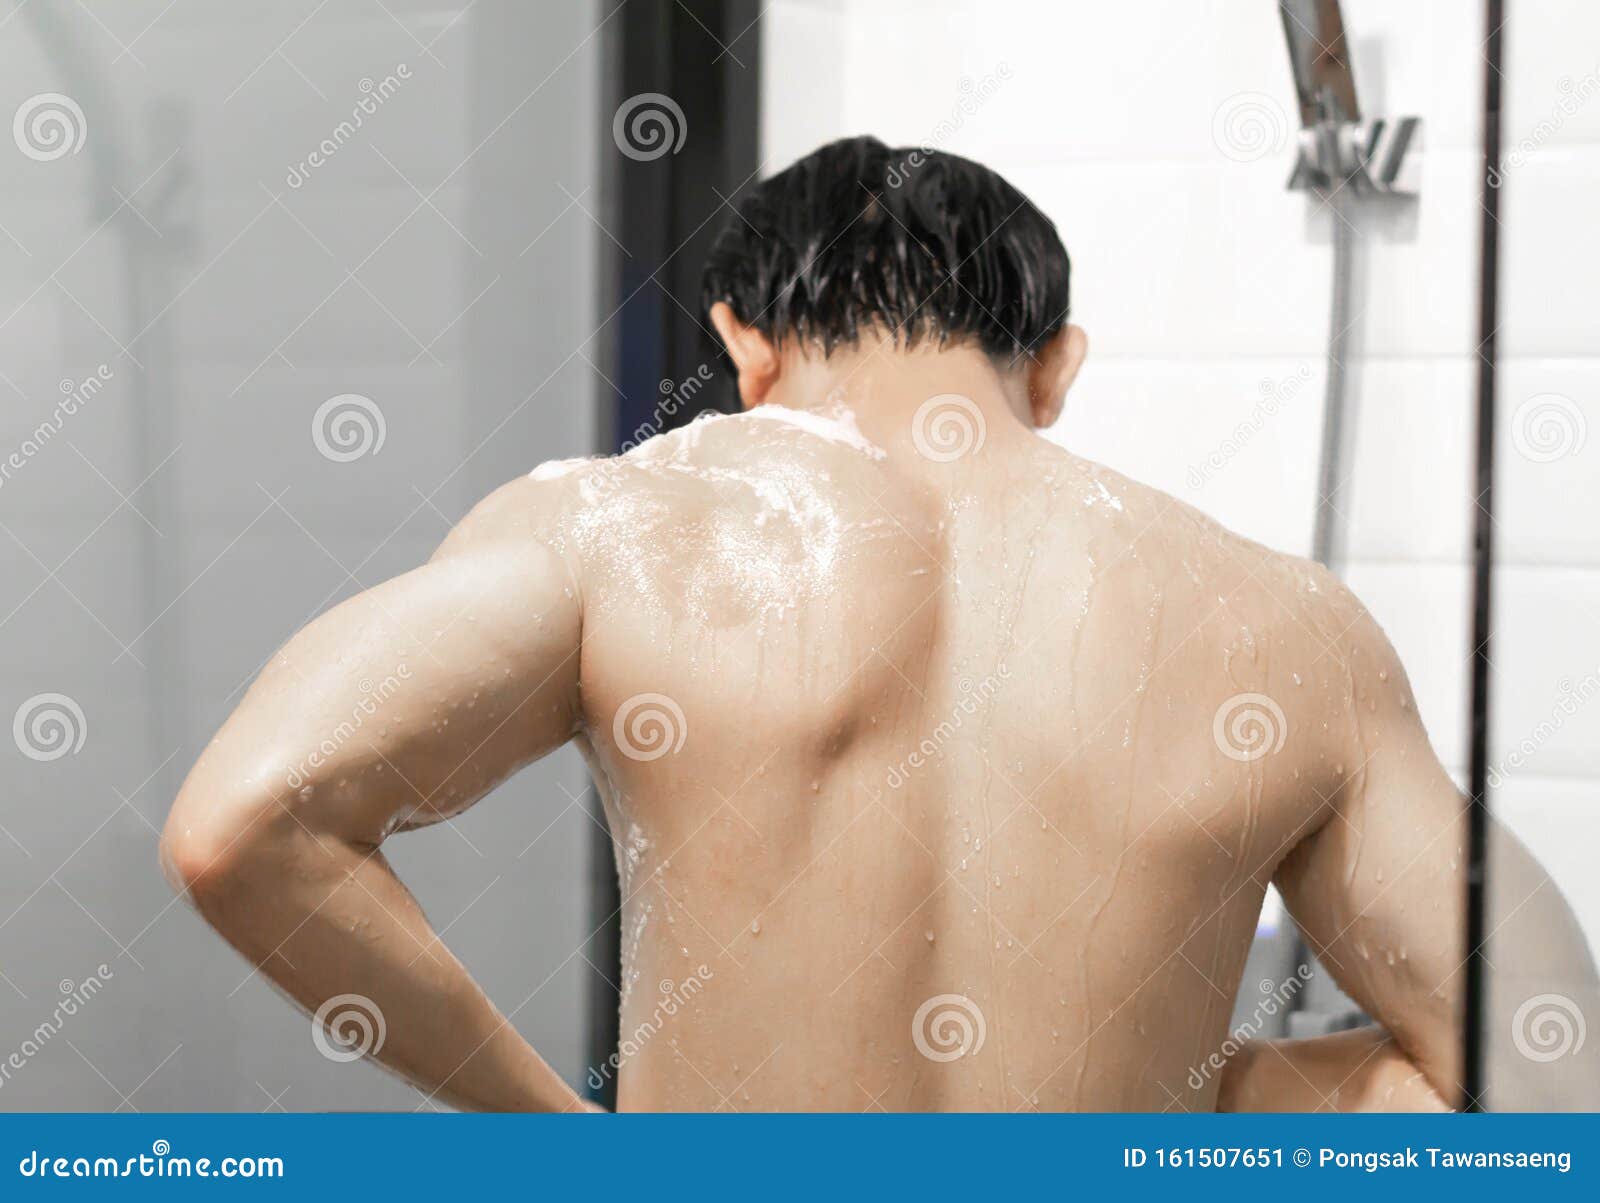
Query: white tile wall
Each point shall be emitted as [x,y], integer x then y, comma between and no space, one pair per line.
[1199,278]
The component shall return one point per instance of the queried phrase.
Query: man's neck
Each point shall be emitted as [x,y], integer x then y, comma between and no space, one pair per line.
[904,399]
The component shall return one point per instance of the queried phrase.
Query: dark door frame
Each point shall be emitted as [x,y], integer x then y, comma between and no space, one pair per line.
[679,139]
[1474,1052]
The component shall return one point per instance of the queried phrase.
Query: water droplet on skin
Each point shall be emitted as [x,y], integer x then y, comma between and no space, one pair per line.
[928,935]
[997,881]
[1297,679]
[977,844]
[1383,674]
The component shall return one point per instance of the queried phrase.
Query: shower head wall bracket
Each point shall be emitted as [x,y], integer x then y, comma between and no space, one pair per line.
[1371,158]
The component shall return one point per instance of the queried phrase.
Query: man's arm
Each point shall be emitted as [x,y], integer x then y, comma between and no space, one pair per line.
[1379,890]
[396,709]
[1358,1070]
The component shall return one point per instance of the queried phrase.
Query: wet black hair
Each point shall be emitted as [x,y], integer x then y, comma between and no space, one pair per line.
[916,242]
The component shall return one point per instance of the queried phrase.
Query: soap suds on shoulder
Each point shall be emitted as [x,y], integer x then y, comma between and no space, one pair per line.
[841,429]
[554,469]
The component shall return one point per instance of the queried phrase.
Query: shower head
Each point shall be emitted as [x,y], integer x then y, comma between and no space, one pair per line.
[1323,82]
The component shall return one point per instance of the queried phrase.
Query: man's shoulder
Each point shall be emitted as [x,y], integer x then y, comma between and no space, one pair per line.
[771,462]
[1224,560]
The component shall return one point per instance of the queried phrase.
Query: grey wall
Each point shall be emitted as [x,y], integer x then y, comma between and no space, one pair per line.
[160,536]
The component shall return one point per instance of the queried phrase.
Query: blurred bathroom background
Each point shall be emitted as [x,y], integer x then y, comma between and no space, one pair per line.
[305,279]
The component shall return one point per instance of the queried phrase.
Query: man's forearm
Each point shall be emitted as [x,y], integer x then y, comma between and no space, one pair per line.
[323,917]
[1359,1070]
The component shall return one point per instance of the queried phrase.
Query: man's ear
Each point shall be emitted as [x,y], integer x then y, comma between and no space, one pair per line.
[1053,372]
[752,352]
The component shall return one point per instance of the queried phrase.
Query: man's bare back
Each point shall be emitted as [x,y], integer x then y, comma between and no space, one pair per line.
[875,728]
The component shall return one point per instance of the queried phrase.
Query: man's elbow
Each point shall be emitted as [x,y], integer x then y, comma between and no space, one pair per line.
[209,850]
